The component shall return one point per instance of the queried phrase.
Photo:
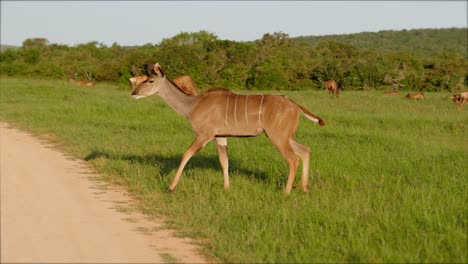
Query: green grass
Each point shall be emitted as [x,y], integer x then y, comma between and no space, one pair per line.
[388,175]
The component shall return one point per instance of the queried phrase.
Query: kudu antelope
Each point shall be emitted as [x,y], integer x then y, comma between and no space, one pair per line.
[83,83]
[460,99]
[220,113]
[392,92]
[184,82]
[415,96]
[332,88]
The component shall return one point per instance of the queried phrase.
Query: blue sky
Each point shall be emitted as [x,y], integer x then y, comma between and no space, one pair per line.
[138,23]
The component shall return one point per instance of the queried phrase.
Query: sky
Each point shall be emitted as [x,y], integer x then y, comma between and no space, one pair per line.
[140,22]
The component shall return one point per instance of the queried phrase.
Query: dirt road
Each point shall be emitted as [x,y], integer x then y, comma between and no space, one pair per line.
[53,210]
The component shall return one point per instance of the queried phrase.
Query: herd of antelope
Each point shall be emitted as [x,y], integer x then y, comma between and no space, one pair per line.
[459,99]
[220,113]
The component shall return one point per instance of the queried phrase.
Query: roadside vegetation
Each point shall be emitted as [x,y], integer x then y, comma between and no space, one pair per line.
[424,59]
[388,175]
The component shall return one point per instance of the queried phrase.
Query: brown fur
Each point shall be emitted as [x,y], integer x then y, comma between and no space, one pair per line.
[415,96]
[137,80]
[332,88]
[460,99]
[392,92]
[221,113]
[83,83]
[184,82]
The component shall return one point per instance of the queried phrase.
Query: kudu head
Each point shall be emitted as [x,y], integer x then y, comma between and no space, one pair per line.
[150,85]
[137,80]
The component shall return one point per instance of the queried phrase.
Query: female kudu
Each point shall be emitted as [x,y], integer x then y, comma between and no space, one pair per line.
[460,99]
[332,88]
[220,113]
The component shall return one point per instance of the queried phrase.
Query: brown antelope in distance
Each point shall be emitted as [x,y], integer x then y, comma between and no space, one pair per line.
[392,92]
[184,82]
[415,96]
[220,113]
[332,88]
[83,83]
[460,99]
[89,84]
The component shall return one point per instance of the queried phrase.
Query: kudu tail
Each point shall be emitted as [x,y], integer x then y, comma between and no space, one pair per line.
[309,115]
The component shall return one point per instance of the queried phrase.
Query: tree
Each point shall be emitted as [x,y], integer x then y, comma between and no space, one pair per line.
[35,43]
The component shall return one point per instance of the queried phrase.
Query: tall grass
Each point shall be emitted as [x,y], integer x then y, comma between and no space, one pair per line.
[388,175]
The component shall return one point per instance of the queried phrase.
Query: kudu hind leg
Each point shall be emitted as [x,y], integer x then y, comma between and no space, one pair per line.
[288,153]
[198,144]
[304,153]
[223,159]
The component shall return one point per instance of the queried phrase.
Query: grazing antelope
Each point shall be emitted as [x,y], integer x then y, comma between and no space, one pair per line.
[83,83]
[220,113]
[392,92]
[415,96]
[332,88]
[184,82]
[460,99]
[89,84]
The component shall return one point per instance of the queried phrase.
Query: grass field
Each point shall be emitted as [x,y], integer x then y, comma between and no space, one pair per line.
[388,175]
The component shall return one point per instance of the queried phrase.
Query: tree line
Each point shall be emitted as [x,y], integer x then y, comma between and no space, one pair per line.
[274,62]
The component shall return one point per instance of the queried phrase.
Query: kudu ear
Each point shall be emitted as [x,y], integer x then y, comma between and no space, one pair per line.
[158,70]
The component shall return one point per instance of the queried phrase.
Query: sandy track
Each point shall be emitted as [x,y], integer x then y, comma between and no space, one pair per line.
[53,211]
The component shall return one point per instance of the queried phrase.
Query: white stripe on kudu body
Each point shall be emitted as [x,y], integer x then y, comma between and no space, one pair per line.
[227,110]
[260,109]
[245,109]
[231,115]
[212,117]
[235,110]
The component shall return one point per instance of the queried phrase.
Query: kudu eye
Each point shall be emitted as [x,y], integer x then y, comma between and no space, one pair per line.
[151,81]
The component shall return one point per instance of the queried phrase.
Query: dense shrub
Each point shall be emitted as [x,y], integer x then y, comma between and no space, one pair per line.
[426,60]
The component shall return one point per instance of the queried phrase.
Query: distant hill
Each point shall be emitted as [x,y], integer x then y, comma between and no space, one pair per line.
[423,42]
[5,47]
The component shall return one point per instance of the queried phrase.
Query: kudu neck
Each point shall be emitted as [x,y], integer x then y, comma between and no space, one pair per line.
[179,101]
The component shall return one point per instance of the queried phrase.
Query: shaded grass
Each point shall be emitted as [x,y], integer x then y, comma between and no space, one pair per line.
[388,175]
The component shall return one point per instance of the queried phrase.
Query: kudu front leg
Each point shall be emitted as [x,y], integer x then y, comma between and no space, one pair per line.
[198,144]
[223,159]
